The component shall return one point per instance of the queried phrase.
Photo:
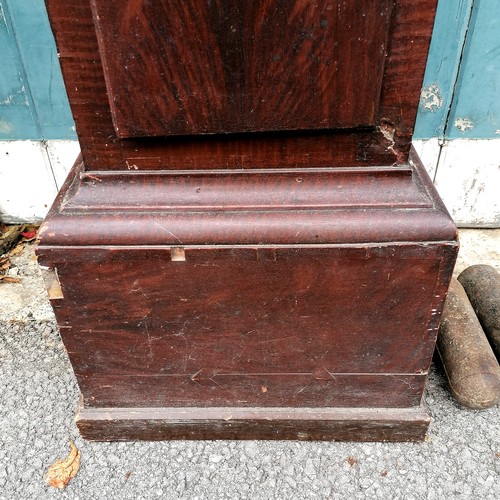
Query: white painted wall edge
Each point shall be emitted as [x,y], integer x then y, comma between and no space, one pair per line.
[466,173]
[31,173]
[428,150]
[468,180]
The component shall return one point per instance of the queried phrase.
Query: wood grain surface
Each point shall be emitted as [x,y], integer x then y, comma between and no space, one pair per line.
[303,424]
[196,67]
[224,324]
[386,142]
[296,206]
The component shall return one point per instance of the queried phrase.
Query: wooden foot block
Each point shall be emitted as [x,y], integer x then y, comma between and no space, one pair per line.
[306,424]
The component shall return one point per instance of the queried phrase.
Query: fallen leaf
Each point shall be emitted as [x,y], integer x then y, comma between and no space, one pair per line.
[384,473]
[29,235]
[9,279]
[127,475]
[61,471]
[9,237]
[16,250]
[351,461]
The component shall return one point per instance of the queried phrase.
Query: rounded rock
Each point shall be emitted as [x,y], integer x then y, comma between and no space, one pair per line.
[482,285]
[470,365]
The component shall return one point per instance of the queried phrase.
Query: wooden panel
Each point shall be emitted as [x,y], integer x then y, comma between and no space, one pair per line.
[297,390]
[405,65]
[16,114]
[445,56]
[410,32]
[290,323]
[33,102]
[240,190]
[196,67]
[475,110]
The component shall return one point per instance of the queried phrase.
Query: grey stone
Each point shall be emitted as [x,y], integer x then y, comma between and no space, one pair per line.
[38,395]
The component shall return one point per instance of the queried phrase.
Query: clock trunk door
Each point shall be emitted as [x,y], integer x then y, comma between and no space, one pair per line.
[189,67]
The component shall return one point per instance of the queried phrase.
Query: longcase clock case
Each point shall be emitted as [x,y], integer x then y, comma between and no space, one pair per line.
[247,246]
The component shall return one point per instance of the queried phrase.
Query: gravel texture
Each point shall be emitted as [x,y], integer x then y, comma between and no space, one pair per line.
[38,396]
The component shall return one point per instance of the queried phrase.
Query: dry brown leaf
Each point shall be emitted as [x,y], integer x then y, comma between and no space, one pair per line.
[10,237]
[16,250]
[9,279]
[61,471]
[5,263]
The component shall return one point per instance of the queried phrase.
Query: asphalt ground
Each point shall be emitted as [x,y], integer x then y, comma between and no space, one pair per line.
[460,458]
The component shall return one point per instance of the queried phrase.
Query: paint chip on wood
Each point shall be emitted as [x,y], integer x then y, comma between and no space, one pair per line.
[431,98]
[464,124]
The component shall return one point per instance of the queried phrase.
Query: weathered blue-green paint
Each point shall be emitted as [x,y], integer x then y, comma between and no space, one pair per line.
[33,102]
[475,111]
[16,117]
[448,38]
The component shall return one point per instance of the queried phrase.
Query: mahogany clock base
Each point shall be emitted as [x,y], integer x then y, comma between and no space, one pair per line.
[278,304]
[304,424]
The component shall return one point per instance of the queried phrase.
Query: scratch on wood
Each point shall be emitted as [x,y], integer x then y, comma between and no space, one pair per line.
[167,231]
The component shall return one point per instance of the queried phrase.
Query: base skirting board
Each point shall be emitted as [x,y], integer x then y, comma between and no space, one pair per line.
[305,424]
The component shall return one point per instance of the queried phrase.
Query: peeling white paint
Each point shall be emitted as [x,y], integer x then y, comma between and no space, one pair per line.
[428,150]
[464,124]
[5,126]
[62,155]
[28,187]
[431,98]
[3,18]
[19,98]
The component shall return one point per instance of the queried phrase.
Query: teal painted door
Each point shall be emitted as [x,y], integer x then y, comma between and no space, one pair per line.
[461,91]
[33,102]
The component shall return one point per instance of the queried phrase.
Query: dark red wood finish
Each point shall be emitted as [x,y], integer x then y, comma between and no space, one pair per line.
[284,280]
[327,315]
[303,424]
[294,326]
[384,143]
[198,67]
